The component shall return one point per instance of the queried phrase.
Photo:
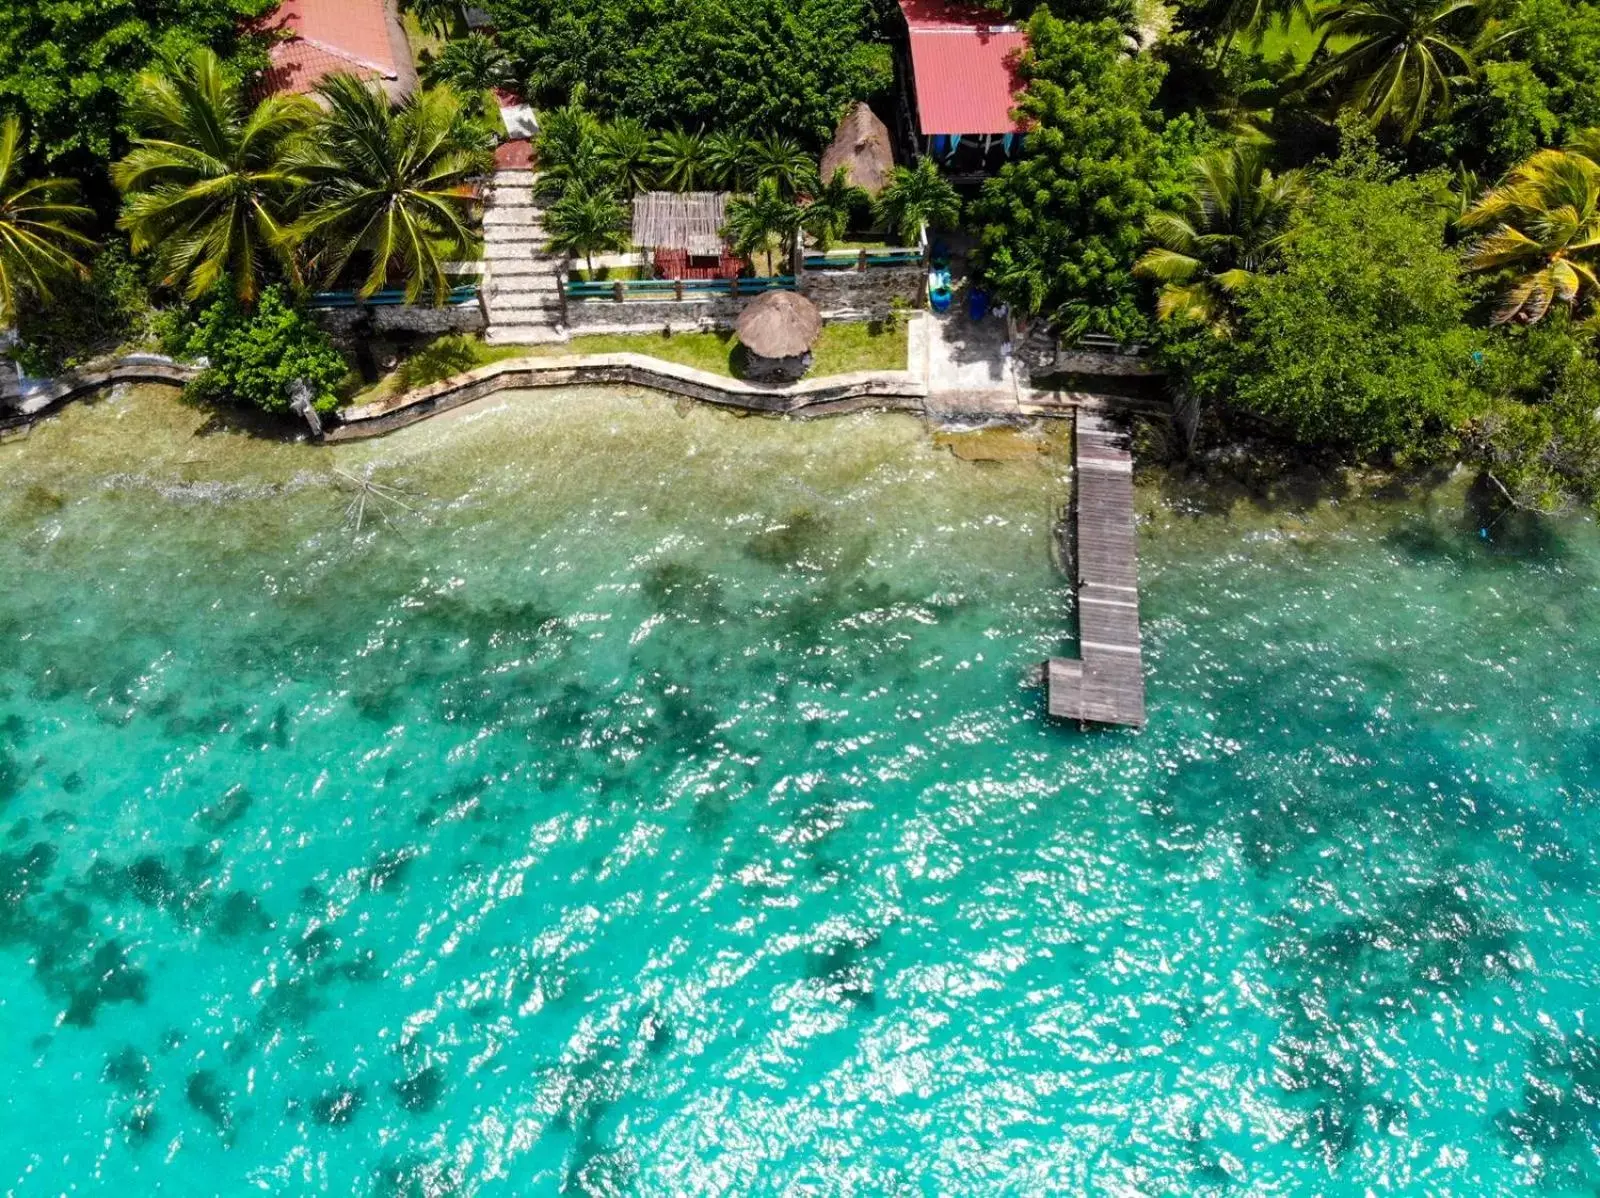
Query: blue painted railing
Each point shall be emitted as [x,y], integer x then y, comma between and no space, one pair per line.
[467,293]
[659,289]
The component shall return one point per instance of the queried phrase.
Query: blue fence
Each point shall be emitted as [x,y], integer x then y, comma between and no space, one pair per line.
[467,293]
[623,290]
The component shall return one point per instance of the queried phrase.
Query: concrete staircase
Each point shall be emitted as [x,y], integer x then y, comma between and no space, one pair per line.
[522,281]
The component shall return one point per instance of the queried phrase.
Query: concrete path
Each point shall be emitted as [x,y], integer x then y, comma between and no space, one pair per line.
[522,280]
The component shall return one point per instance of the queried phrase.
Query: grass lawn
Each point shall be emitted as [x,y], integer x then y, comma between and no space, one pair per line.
[842,349]
[1298,39]
[608,274]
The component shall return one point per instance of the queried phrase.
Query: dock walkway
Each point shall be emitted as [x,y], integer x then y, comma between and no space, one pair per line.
[1105,685]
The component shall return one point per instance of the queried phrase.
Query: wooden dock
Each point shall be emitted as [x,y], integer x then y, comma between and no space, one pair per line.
[1106,684]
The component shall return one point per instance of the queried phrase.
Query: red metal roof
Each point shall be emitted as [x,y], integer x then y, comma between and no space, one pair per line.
[321,37]
[964,63]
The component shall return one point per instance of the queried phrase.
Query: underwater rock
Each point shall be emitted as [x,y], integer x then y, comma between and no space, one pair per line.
[207,1094]
[226,811]
[337,1107]
[420,1092]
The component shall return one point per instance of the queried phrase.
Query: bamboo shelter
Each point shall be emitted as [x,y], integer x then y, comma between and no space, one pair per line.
[778,331]
[682,232]
[862,147]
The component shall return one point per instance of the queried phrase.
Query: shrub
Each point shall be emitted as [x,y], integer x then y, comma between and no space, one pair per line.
[255,355]
[86,317]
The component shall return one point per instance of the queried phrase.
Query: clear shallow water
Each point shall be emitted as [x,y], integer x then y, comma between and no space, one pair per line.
[659,807]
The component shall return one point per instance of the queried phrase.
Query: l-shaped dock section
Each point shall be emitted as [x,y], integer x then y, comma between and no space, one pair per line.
[1105,684]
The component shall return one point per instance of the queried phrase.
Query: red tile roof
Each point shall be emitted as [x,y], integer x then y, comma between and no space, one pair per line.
[964,61]
[322,37]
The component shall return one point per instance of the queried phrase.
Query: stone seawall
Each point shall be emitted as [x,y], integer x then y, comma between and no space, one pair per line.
[40,396]
[812,397]
[653,315]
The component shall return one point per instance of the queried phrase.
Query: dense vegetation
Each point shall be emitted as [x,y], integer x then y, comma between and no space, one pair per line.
[746,66]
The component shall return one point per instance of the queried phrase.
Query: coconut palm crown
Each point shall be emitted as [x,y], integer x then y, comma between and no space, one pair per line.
[1401,59]
[1544,232]
[389,188]
[39,234]
[1231,225]
[209,183]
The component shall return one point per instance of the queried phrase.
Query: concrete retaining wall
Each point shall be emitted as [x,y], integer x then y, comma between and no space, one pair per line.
[41,395]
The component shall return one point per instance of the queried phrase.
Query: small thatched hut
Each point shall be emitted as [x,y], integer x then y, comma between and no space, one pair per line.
[863,148]
[777,331]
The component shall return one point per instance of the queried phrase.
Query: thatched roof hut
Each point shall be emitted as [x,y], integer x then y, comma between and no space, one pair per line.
[778,330]
[691,221]
[863,148]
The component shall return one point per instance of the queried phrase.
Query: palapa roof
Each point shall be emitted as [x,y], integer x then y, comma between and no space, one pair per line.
[779,324]
[688,220]
[863,148]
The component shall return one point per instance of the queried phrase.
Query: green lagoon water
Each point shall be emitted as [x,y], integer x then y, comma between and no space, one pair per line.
[659,803]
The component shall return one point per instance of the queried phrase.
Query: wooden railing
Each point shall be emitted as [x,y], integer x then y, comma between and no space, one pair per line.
[623,290]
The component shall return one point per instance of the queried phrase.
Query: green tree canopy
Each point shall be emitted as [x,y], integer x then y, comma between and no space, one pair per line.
[1059,229]
[785,67]
[1360,342]
[69,65]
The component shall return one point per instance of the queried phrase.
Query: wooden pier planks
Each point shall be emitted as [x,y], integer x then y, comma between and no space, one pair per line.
[1105,686]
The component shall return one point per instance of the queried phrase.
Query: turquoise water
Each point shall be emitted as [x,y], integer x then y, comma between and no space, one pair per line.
[647,801]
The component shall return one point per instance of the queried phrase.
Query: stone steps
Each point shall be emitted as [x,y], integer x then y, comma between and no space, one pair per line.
[523,295]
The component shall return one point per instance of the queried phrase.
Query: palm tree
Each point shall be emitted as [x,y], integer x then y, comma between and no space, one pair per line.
[728,161]
[785,162]
[475,63]
[915,197]
[1230,227]
[568,150]
[390,188]
[588,220]
[208,186]
[832,207]
[1401,58]
[624,152]
[763,222]
[441,16]
[681,160]
[1544,234]
[38,233]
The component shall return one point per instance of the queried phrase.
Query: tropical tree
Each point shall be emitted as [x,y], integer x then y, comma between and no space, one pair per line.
[832,207]
[39,233]
[389,188]
[764,222]
[474,63]
[1230,226]
[681,160]
[588,220]
[729,161]
[915,197]
[785,162]
[624,151]
[209,183]
[1399,58]
[1544,223]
